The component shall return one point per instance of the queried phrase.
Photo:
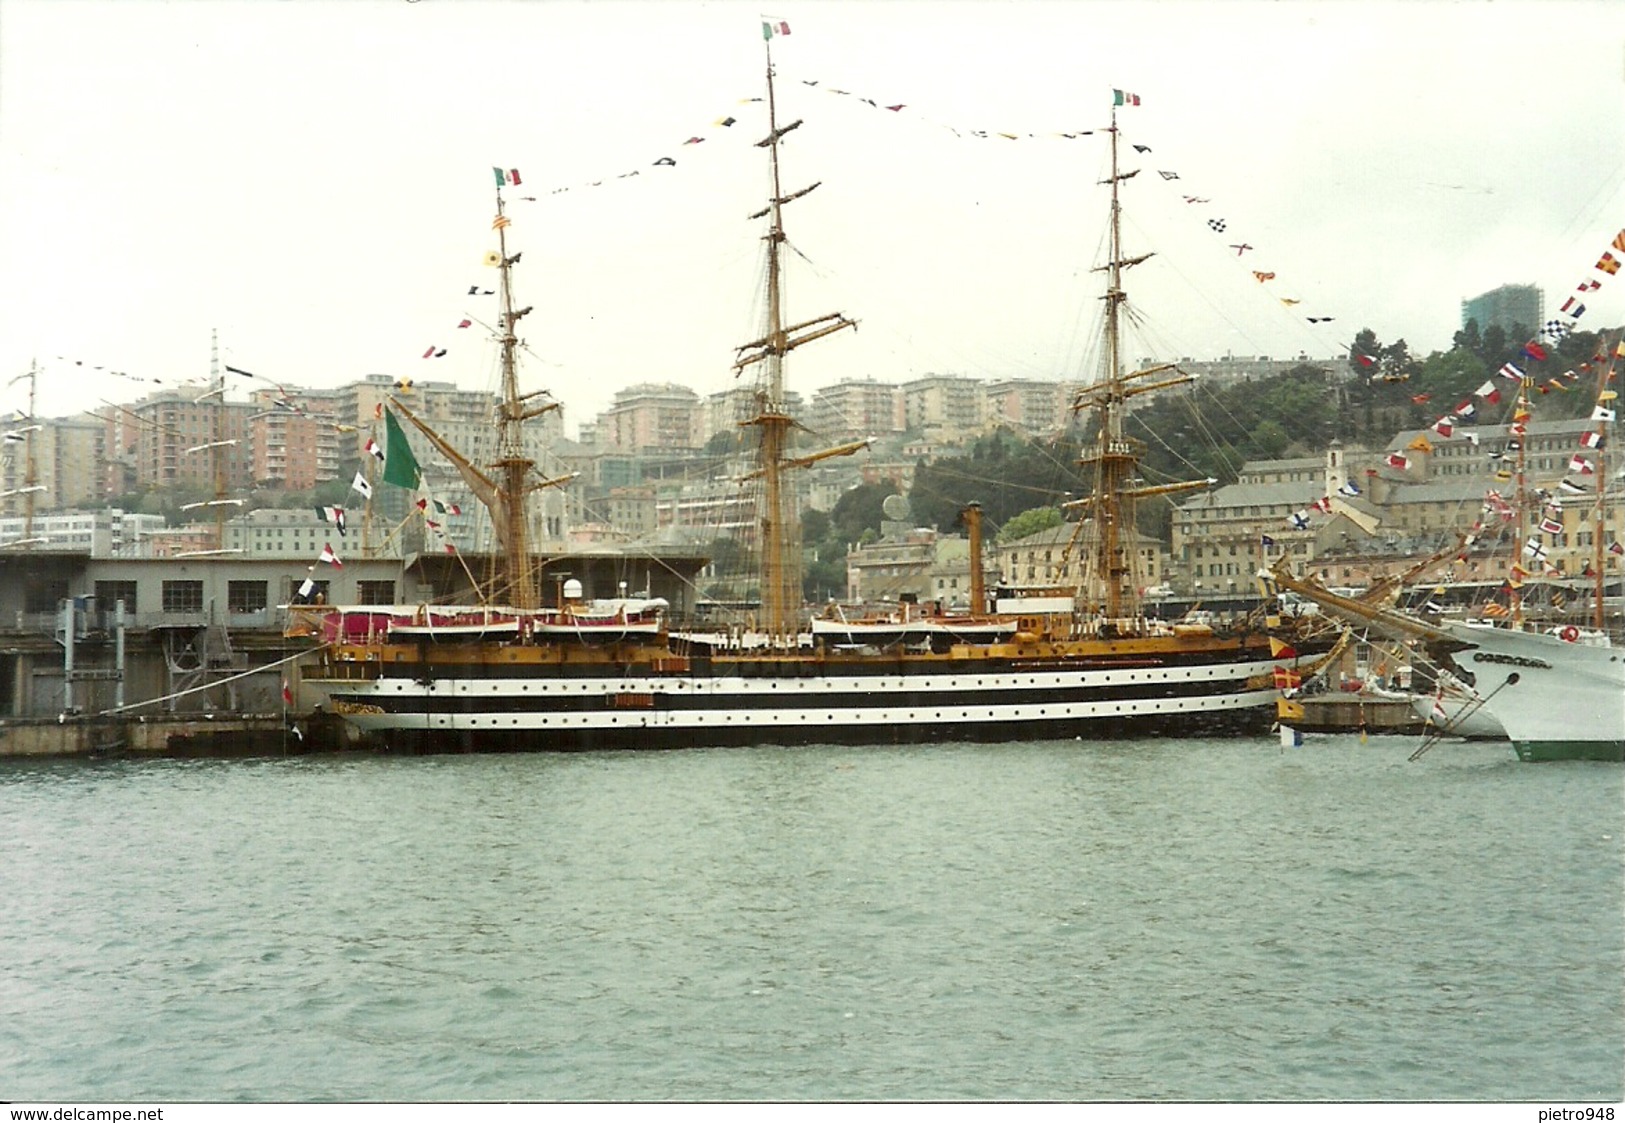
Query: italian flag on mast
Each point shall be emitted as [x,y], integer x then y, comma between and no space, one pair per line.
[771,28]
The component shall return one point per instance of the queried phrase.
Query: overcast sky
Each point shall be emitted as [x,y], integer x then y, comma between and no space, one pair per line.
[313,180]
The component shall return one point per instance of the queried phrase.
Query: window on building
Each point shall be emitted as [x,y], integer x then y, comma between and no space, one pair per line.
[183,596]
[246,596]
[109,593]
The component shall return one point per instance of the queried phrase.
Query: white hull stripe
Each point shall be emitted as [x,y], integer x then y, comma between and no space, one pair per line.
[1007,714]
[542,685]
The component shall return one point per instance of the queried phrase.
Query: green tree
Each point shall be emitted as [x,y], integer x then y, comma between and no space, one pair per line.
[1030,521]
[859,510]
[1270,439]
[815,526]
[1469,339]
[824,577]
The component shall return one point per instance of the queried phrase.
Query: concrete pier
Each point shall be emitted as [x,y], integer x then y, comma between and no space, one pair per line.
[1349,713]
[192,735]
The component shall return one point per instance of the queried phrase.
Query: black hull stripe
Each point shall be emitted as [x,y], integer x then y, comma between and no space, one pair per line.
[1252,721]
[832,701]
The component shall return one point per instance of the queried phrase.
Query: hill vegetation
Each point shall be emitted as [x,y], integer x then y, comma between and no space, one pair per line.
[1206,431]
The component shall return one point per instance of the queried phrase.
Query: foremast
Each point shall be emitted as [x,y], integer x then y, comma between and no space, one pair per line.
[1599,518]
[505,489]
[779,527]
[1111,584]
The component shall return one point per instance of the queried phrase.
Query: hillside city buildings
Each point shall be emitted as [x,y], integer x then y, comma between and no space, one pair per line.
[662,468]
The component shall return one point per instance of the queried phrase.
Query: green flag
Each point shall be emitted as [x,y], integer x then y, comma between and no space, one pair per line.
[400,466]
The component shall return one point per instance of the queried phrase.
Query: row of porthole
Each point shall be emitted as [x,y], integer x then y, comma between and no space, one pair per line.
[400,688]
[937,716]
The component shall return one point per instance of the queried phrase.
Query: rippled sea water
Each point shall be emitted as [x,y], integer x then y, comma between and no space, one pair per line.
[1133,920]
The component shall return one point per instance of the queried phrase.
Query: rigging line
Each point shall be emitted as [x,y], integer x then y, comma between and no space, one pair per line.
[1595,204]
[217,682]
[1179,456]
[1305,434]
[1200,293]
[1048,492]
[1199,419]
[1307,331]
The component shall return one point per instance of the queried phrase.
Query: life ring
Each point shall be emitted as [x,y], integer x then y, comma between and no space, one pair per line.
[1569,633]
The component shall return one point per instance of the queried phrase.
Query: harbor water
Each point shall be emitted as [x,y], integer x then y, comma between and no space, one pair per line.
[1078,921]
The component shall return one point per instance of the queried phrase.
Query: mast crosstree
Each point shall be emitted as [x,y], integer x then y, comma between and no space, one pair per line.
[1111,569]
[504,485]
[779,523]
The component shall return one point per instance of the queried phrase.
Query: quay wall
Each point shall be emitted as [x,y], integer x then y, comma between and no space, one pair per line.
[1344,713]
[235,735]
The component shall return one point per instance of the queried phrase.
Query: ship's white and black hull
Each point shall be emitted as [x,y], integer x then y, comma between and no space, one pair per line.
[490,706]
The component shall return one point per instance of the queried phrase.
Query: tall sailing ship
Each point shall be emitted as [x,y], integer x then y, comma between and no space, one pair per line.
[517,673]
[1555,692]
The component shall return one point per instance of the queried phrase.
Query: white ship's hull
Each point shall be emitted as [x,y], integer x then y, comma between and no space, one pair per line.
[1556,700]
[1457,712]
[796,701]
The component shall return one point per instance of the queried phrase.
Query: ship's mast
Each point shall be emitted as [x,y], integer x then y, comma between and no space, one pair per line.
[1520,498]
[779,526]
[511,460]
[367,461]
[1599,521]
[1111,562]
[505,495]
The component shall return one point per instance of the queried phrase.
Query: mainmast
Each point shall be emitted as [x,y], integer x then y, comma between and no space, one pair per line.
[780,526]
[1111,562]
